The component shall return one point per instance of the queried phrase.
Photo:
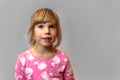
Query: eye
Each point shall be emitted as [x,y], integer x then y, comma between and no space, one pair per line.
[51,26]
[40,26]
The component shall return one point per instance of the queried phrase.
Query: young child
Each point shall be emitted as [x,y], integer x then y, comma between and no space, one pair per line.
[43,61]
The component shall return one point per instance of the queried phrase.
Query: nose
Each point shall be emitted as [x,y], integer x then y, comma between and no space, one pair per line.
[47,30]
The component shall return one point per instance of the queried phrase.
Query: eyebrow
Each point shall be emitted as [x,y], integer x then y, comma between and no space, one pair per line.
[45,22]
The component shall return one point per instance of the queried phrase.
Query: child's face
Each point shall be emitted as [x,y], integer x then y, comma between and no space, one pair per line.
[45,34]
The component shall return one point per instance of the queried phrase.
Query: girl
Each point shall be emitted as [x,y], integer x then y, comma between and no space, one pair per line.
[43,61]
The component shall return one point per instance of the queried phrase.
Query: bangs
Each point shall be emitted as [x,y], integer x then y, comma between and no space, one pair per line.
[45,16]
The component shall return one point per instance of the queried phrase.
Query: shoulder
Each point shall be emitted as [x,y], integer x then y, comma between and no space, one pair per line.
[62,55]
[26,54]
[23,54]
[24,57]
[21,57]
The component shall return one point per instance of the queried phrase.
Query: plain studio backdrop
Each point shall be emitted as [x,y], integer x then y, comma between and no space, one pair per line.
[91,35]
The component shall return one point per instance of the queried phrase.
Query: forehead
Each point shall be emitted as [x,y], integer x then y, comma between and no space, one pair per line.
[45,23]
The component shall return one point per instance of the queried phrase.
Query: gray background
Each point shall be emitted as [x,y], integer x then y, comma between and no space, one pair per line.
[91,35]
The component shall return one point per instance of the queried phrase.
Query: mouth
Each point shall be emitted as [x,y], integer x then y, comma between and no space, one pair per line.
[47,39]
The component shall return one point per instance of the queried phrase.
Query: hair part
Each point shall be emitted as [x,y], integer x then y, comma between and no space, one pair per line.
[44,15]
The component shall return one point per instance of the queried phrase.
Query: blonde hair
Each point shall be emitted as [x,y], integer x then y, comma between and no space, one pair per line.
[44,15]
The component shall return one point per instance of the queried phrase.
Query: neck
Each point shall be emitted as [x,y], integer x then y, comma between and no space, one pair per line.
[44,50]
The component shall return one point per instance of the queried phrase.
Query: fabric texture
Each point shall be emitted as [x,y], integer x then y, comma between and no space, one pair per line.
[29,67]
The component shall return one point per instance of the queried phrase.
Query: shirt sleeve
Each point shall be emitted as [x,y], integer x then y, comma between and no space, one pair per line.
[19,68]
[68,73]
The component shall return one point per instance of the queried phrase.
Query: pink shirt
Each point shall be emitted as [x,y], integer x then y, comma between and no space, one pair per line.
[29,67]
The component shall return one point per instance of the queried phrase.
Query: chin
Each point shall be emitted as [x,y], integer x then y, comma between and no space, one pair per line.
[47,45]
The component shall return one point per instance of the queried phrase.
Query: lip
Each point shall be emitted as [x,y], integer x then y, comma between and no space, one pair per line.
[47,39]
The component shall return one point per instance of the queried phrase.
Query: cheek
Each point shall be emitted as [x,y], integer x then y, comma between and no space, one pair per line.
[54,34]
[55,37]
[37,37]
